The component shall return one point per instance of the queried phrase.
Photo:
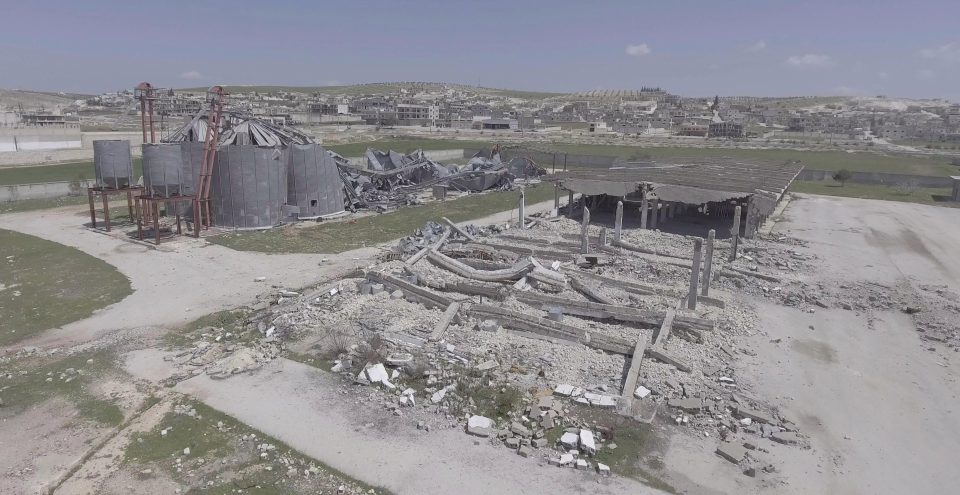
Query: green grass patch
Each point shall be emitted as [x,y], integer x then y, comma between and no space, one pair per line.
[337,237]
[47,285]
[70,171]
[923,195]
[42,204]
[215,436]
[64,378]
[817,160]
[635,442]
[231,320]
[406,145]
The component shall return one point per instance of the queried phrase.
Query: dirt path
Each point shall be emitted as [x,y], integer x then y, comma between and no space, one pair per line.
[301,406]
[178,283]
[184,279]
[882,411]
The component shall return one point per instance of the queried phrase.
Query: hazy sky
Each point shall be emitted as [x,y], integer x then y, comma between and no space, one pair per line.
[727,47]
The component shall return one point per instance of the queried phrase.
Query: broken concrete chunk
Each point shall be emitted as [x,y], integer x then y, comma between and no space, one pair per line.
[755,415]
[641,392]
[512,442]
[731,452]
[564,390]
[399,358]
[688,405]
[587,442]
[566,459]
[603,469]
[524,451]
[570,440]
[438,395]
[488,326]
[519,429]
[582,464]
[487,365]
[785,437]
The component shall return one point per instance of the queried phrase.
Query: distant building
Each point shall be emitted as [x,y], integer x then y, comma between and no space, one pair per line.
[725,130]
[497,124]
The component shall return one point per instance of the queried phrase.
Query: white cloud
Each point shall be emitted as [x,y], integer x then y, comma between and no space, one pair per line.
[883,75]
[926,74]
[191,75]
[756,47]
[810,61]
[638,50]
[949,53]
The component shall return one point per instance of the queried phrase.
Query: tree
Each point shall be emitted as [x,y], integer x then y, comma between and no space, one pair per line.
[842,176]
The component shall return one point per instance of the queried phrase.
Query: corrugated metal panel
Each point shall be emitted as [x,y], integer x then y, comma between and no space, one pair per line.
[314,185]
[163,169]
[112,164]
[249,187]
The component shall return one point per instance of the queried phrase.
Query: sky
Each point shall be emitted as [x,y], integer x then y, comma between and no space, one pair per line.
[693,48]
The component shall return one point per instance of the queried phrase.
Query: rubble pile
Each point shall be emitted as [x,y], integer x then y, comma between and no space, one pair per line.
[517,338]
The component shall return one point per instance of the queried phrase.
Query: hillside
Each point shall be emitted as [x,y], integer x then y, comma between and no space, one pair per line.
[34,100]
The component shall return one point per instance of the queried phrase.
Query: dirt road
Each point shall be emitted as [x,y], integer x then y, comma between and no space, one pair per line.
[302,406]
[177,283]
[881,409]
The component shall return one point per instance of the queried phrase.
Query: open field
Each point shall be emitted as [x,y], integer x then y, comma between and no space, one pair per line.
[336,237]
[923,195]
[406,145]
[45,285]
[819,160]
[55,173]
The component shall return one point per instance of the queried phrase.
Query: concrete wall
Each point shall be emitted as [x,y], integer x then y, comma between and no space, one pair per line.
[879,178]
[39,138]
[45,190]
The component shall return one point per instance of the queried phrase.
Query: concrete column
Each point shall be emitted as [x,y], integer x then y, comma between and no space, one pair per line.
[584,240]
[708,263]
[570,204]
[663,212]
[654,213]
[603,237]
[643,212]
[671,210]
[735,234]
[520,207]
[695,274]
[556,196]
[618,223]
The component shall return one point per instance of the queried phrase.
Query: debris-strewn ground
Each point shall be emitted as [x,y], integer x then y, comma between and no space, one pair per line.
[554,398]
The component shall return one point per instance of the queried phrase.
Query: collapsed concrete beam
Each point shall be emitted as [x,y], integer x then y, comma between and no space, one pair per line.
[591,293]
[665,328]
[603,311]
[465,271]
[529,323]
[661,355]
[540,253]
[633,374]
[639,249]
[383,278]
[632,287]
[741,271]
[458,229]
[448,318]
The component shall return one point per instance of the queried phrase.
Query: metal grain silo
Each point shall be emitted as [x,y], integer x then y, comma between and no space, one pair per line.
[112,164]
[192,152]
[314,187]
[249,187]
[163,169]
